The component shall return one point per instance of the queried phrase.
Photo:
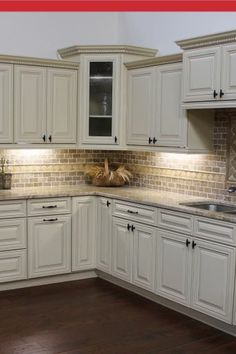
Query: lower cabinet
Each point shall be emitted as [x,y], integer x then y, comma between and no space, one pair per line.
[83,233]
[196,273]
[49,245]
[103,234]
[13,265]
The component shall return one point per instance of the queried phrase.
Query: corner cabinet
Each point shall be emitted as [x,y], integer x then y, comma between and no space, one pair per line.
[209,67]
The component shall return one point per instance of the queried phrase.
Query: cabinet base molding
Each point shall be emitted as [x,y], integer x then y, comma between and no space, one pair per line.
[230,329]
[48,280]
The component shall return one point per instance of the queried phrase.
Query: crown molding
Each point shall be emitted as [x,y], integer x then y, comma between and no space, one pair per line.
[161,60]
[21,60]
[209,40]
[105,49]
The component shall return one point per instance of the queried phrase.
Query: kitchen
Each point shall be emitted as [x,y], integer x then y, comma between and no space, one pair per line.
[66,245]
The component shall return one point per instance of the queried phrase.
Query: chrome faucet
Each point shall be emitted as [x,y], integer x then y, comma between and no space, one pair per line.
[232,189]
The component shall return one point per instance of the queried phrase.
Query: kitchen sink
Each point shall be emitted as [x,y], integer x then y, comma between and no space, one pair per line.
[221,208]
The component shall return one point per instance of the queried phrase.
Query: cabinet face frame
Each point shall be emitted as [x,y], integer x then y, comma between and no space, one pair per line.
[6,103]
[84,99]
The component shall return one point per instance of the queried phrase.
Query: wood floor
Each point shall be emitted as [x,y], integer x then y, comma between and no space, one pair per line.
[93,316]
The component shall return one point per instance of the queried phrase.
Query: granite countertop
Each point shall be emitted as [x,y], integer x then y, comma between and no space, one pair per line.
[144,196]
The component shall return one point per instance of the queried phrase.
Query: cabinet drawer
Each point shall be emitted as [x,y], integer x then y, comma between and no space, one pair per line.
[12,234]
[13,265]
[215,230]
[12,209]
[49,206]
[175,221]
[136,212]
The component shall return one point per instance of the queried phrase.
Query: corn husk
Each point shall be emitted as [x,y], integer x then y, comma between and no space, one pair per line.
[104,177]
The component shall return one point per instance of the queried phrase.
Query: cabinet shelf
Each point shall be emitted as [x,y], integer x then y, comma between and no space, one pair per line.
[100,77]
[99,116]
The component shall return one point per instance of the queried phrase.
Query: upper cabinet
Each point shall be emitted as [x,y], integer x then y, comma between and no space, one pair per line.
[155,117]
[209,68]
[102,90]
[6,103]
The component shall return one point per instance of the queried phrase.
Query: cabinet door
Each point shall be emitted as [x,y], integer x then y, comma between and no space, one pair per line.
[100,98]
[171,119]
[173,266]
[29,104]
[104,225]
[6,103]
[122,241]
[144,256]
[13,265]
[201,68]
[49,244]
[83,233]
[141,102]
[228,72]
[62,106]
[213,280]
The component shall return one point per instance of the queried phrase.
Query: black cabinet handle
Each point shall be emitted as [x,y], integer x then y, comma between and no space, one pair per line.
[44,137]
[154,140]
[50,138]
[115,139]
[221,93]
[132,212]
[49,206]
[193,244]
[149,140]
[50,219]
[187,243]
[215,94]
[128,227]
[108,203]
[132,228]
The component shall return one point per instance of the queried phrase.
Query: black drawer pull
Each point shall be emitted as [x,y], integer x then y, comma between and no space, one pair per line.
[132,212]
[49,206]
[50,219]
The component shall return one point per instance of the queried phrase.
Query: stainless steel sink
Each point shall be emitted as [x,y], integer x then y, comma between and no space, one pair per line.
[221,208]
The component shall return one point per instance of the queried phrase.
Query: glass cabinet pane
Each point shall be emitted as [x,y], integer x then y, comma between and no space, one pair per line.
[100,98]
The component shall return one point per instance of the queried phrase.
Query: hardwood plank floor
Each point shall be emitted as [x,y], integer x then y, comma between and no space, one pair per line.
[95,317]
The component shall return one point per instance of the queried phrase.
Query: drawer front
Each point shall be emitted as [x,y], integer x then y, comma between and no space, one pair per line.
[12,234]
[175,221]
[136,212]
[13,265]
[49,206]
[215,230]
[12,209]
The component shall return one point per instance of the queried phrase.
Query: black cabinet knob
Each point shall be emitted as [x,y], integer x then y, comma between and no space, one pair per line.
[44,137]
[132,228]
[128,227]
[215,94]
[115,139]
[108,203]
[187,243]
[193,244]
[221,93]
[149,140]
[154,140]
[50,138]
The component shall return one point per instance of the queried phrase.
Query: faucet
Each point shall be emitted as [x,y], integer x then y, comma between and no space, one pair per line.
[232,189]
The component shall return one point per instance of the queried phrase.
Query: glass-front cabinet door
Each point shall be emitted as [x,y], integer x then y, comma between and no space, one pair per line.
[102,100]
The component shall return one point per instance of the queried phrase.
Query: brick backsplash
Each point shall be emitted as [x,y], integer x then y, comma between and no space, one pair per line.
[197,175]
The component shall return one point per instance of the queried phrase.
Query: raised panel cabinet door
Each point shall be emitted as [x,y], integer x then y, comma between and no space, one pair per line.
[6,103]
[12,234]
[13,265]
[144,256]
[29,104]
[141,103]
[61,106]
[104,230]
[213,280]
[83,233]
[122,241]
[49,245]
[201,74]
[171,119]
[228,73]
[173,266]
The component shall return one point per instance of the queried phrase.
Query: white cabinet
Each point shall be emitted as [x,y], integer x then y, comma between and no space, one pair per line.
[213,280]
[6,103]
[173,267]
[49,245]
[12,234]
[122,244]
[144,238]
[228,72]
[154,114]
[141,106]
[62,105]
[45,104]
[30,84]
[104,233]
[13,265]
[83,233]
